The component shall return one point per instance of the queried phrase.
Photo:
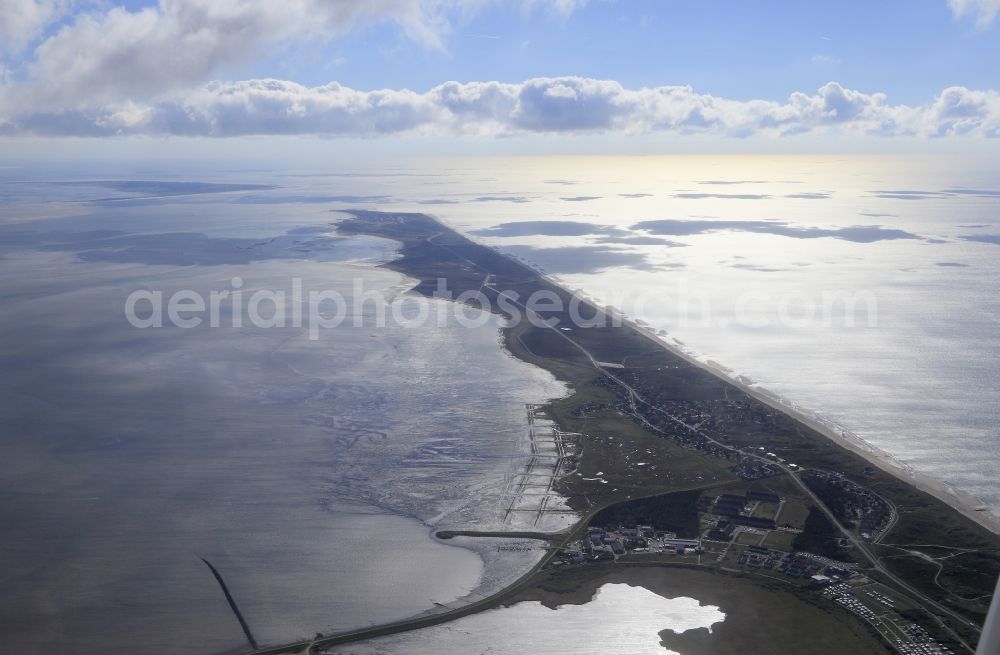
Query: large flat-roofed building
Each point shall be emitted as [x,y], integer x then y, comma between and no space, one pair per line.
[681,543]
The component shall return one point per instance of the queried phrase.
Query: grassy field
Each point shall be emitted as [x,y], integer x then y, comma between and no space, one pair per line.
[794,514]
[780,540]
[749,538]
[612,445]
[765,510]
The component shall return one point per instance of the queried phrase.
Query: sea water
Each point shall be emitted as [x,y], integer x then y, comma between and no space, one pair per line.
[310,470]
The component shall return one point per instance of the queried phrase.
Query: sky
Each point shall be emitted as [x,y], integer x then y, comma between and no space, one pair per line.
[534,71]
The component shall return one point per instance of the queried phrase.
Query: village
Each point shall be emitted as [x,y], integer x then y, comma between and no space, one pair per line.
[755,533]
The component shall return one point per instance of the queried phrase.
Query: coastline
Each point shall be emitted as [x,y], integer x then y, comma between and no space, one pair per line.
[433,251]
[962,502]
[493,579]
[958,500]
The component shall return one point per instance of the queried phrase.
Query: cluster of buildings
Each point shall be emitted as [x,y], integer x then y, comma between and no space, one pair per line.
[866,509]
[801,565]
[735,512]
[752,468]
[794,565]
[743,411]
[759,556]
[607,544]
[665,420]
[749,466]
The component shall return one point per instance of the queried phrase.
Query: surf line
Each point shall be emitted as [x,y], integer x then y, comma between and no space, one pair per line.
[232,604]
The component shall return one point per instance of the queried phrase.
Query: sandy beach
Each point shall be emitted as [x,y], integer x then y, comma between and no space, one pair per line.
[965,504]
[962,502]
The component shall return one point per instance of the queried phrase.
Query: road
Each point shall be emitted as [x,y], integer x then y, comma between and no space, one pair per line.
[855,540]
[308,646]
[635,397]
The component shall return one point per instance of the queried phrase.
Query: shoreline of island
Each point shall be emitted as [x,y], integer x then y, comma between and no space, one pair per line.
[962,502]
[431,250]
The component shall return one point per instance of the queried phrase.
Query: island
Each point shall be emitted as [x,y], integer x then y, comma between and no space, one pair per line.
[678,473]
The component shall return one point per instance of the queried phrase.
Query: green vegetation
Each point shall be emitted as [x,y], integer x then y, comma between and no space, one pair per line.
[676,512]
[749,538]
[821,537]
[780,541]
[637,435]
[793,514]
[765,510]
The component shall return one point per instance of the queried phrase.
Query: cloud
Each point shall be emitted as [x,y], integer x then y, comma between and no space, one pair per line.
[23,21]
[179,43]
[984,11]
[539,105]
[107,53]
[958,110]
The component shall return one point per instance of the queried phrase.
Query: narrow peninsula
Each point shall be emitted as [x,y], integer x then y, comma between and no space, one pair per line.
[682,477]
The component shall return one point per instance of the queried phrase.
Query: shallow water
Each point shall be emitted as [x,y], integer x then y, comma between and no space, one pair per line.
[749,262]
[308,471]
[619,619]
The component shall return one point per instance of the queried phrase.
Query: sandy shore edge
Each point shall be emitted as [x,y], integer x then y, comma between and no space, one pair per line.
[960,501]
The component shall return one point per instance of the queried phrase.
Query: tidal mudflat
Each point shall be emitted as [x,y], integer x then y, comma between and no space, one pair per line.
[308,471]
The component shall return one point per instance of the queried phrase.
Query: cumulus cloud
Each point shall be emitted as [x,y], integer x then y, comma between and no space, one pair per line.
[984,11]
[22,21]
[961,111]
[120,54]
[110,70]
[111,55]
[540,105]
